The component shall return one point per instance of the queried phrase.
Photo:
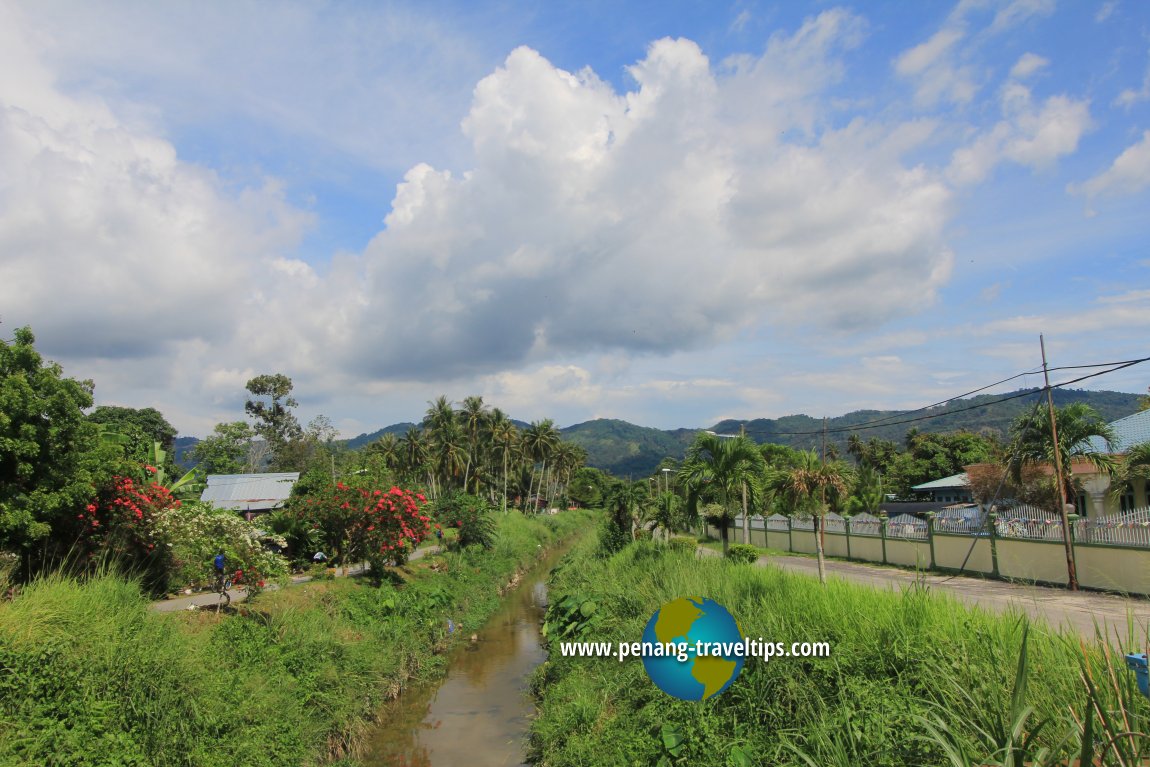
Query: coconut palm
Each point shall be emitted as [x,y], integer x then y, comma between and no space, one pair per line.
[806,486]
[504,438]
[473,416]
[1032,444]
[538,443]
[720,468]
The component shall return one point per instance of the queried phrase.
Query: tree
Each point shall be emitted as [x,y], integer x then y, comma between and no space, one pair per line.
[806,486]
[141,427]
[274,420]
[51,457]
[228,450]
[1077,423]
[538,442]
[720,468]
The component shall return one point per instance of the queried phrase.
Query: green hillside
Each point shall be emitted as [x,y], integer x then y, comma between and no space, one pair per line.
[625,449]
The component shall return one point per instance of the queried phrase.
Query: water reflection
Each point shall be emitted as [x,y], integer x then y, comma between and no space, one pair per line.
[480,713]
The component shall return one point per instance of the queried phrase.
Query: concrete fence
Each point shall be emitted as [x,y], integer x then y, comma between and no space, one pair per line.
[990,549]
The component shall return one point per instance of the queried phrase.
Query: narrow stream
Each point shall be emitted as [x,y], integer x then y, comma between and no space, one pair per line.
[479,714]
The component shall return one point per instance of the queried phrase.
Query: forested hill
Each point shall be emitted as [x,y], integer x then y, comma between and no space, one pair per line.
[623,448]
[626,449]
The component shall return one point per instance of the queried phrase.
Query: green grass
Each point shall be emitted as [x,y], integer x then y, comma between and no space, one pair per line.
[89,675]
[901,664]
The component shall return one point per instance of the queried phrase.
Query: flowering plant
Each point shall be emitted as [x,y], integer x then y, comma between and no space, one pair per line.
[362,521]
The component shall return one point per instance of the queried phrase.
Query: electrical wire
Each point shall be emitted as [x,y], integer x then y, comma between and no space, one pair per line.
[883,422]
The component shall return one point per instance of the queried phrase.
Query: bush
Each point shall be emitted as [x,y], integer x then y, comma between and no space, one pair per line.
[612,537]
[682,544]
[742,553]
[470,515]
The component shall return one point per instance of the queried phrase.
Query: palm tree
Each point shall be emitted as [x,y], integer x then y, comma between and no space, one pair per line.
[1032,444]
[806,485]
[720,467]
[504,443]
[539,441]
[414,452]
[474,415]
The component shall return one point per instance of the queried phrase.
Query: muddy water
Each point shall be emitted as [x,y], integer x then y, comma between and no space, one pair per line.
[479,714]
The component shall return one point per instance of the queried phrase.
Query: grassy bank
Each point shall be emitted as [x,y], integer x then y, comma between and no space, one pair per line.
[90,676]
[913,679]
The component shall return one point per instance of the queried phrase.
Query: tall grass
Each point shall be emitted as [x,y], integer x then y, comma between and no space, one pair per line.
[914,678]
[89,675]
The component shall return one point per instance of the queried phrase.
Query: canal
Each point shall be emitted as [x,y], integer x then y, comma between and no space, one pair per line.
[479,714]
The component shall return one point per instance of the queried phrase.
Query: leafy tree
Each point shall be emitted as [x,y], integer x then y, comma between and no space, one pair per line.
[228,450]
[141,427]
[720,468]
[270,407]
[932,456]
[51,457]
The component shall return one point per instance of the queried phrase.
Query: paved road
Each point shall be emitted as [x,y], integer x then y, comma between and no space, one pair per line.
[209,599]
[1077,611]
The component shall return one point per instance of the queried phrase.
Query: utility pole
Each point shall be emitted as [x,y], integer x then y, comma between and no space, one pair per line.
[1071,570]
[746,519]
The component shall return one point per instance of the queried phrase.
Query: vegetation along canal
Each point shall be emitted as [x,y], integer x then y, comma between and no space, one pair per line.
[479,714]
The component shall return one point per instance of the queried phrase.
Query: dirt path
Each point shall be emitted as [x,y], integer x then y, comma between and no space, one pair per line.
[209,599]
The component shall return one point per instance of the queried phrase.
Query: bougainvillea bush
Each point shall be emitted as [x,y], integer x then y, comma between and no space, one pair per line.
[378,525]
[139,527]
[470,515]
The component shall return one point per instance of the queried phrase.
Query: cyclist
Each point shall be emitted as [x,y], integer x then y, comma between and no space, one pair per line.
[220,562]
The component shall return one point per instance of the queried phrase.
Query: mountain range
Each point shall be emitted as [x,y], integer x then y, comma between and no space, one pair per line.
[624,448]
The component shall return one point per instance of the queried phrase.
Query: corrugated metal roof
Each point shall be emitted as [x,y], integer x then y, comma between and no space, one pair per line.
[1128,432]
[249,492]
[954,480]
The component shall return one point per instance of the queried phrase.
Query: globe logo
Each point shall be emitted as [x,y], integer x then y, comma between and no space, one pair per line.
[696,626]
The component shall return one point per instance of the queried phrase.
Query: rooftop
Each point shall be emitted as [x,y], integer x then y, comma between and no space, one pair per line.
[249,492]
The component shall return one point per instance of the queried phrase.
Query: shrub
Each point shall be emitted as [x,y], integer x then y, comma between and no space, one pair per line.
[682,544]
[471,516]
[742,553]
[612,537]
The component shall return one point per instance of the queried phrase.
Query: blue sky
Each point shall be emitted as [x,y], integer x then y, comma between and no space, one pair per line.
[670,212]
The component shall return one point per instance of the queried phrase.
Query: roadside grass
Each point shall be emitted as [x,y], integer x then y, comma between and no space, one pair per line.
[90,676]
[914,678]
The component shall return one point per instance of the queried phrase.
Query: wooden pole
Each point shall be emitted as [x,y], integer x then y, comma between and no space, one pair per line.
[1071,570]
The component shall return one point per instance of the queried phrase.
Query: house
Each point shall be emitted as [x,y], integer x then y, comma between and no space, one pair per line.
[251,494]
[1097,497]
[952,489]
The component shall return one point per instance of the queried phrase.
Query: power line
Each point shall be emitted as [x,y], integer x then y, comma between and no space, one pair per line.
[881,422]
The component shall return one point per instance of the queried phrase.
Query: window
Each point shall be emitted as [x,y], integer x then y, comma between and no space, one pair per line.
[1126,502]
[1080,504]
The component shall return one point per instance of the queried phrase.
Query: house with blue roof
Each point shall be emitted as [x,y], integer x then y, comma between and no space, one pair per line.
[1097,498]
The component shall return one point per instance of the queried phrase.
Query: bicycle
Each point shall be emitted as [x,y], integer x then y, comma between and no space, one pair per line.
[221,586]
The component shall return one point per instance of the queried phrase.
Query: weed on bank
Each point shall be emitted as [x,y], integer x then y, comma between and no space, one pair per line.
[91,676]
[913,678]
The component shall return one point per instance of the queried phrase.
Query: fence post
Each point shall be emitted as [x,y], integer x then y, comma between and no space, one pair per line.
[930,515]
[790,536]
[993,517]
[882,520]
[847,529]
[1071,519]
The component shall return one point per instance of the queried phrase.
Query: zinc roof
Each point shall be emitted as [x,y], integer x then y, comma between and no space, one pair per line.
[249,492]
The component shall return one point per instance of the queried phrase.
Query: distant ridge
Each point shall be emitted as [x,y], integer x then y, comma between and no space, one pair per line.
[625,449]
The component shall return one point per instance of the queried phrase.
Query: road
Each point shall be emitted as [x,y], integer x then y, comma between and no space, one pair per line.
[1083,612]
